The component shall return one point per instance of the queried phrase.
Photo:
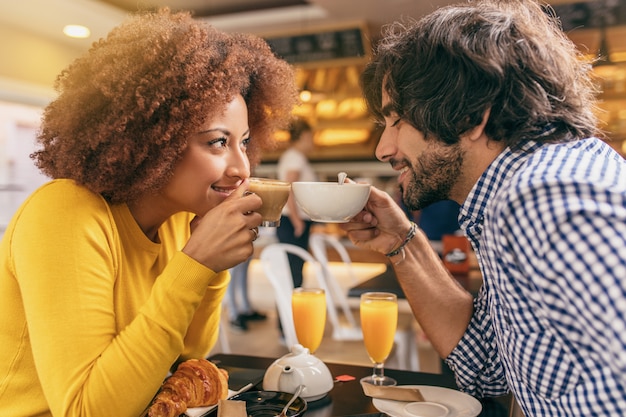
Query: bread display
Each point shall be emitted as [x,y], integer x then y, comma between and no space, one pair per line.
[195,383]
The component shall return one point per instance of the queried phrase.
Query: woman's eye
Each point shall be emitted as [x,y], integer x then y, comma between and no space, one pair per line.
[245,143]
[218,143]
[394,124]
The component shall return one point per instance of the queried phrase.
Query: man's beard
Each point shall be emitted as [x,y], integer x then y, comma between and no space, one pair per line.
[439,170]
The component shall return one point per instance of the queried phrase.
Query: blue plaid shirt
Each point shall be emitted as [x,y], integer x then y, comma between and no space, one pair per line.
[548,225]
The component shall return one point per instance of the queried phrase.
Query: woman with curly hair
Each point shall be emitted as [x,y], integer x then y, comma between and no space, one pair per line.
[115,270]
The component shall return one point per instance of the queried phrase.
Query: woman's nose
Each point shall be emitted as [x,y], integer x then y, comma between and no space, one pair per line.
[239,164]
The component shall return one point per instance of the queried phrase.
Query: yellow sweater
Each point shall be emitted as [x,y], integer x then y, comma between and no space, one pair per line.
[93,313]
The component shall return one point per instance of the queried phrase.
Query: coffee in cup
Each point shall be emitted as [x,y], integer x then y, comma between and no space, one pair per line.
[274,194]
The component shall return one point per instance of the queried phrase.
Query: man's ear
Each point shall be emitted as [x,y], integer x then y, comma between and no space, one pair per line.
[477,131]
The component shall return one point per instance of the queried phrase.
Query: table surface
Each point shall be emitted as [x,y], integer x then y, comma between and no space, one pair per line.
[346,398]
[385,282]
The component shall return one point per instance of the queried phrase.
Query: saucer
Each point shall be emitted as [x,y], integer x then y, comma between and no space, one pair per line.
[270,403]
[426,409]
[440,402]
[258,404]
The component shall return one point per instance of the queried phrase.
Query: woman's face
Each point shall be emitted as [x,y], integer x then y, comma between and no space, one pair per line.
[215,162]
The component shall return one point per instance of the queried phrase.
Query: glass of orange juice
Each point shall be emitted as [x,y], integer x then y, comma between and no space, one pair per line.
[379,319]
[309,316]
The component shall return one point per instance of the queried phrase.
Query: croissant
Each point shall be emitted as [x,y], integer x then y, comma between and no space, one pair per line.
[195,383]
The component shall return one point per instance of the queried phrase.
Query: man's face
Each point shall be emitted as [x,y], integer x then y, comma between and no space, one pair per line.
[429,169]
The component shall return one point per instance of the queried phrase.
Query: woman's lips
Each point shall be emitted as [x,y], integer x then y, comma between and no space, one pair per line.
[224,190]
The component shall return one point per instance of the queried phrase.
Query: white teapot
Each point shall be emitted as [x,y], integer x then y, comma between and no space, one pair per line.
[299,367]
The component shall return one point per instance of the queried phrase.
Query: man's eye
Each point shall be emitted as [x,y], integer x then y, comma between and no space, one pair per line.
[394,124]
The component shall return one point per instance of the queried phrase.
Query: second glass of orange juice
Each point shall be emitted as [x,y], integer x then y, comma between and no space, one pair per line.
[379,319]
[309,316]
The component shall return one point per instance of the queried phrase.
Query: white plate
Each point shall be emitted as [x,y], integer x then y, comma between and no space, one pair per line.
[458,404]
[198,411]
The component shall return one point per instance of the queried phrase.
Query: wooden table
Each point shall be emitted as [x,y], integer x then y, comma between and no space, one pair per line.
[387,282]
[346,398]
[384,282]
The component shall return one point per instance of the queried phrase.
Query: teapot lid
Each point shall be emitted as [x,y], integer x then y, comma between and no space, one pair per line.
[299,357]
[298,349]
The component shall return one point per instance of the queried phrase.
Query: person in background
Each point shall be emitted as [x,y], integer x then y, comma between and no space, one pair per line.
[294,165]
[438,219]
[114,272]
[435,220]
[240,310]
[489,104]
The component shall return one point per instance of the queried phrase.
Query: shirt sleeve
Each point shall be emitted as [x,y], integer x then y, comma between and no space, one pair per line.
[575,257]
[203,331]
[67,268]
[475,360]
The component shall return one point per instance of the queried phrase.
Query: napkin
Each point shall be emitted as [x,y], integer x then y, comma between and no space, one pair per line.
[230,408]
[392,392]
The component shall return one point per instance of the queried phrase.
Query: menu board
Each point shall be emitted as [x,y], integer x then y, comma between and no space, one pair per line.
[591,14]
[320,46]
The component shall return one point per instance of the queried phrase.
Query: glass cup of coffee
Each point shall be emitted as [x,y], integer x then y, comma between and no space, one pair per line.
[274,194]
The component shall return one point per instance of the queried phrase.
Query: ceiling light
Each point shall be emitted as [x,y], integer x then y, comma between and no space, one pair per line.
[332,137]
[76,31]
[305,96]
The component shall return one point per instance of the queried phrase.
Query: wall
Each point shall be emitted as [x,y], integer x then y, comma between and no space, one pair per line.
[32,59]
[18,174]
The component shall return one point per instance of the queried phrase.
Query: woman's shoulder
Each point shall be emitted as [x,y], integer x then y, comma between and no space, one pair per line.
[66,191]
[58,211]
[63,198]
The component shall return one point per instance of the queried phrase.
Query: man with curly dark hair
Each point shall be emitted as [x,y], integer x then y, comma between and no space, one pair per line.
[115,271]
[489,104]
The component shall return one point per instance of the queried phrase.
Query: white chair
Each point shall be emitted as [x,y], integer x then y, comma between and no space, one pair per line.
[223,342]
[341,331]
[222,339]
[275,264]
[405,343]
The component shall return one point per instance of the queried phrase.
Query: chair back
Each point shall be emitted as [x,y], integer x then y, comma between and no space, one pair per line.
[275,264]
[405,344]
[337,296]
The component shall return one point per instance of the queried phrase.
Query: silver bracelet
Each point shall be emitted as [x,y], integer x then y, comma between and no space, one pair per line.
[400,249]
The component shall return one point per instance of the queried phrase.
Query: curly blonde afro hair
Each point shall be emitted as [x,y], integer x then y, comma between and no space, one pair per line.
[125,109]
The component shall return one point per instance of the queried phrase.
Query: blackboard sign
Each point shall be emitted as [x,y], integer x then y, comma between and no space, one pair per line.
[320,46]
[591,14]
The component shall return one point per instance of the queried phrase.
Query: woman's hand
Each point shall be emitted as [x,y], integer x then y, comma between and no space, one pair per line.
[381,226]
[223,237]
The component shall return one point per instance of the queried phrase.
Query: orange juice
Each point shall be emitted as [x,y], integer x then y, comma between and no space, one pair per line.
[379,319]
[309,316]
